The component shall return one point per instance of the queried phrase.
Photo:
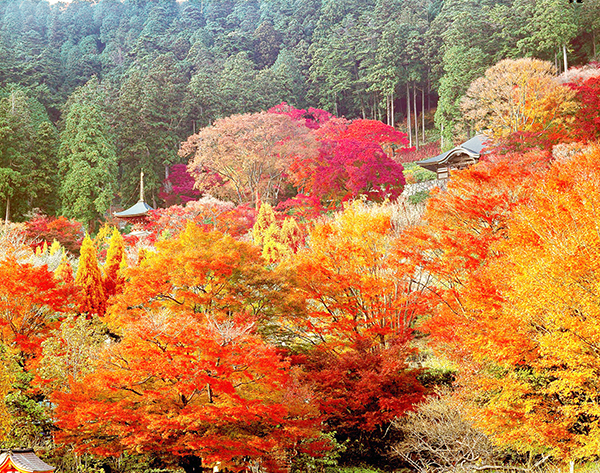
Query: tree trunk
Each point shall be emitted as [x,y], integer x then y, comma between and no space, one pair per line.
[594,43]
[416,116]
[408,124]
[428,91]
[335,105]
[423,113]
[442,137]
[392,100]
[387,109]
[565,57]
[7,216]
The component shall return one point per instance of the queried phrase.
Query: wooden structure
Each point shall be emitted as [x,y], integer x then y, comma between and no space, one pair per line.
[138,212]
[22,461]
[462,156]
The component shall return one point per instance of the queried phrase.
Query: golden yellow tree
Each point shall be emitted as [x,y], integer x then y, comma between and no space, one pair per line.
[5,385]
[518,95]
[523,322]
[114,260]
[89,280]
[264,219]
[64,272]
[291,235]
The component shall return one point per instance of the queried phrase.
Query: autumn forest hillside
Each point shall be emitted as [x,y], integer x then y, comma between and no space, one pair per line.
[148,74]
[288,306]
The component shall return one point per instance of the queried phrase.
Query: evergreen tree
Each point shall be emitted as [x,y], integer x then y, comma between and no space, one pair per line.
[27,154]
[87,160]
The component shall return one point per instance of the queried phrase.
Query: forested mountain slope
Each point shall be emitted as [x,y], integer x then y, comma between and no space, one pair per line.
[163,69]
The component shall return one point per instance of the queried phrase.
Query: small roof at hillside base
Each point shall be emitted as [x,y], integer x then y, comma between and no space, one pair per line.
[473,148]
[22,461]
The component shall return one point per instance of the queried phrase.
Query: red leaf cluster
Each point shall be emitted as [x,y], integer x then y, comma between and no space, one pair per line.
[42,228]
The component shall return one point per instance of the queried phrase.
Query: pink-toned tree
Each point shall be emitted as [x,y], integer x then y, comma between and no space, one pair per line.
[178,188]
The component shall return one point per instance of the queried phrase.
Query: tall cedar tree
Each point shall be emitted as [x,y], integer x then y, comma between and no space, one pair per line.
[87,161]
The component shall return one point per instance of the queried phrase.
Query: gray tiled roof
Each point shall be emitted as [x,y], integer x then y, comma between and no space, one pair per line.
[26,460]
[473,147]
[138,210]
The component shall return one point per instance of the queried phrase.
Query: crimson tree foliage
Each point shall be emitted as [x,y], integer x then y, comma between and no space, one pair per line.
[313,118]
[69,233]
[587,119]
[374,131]
[351,160]
[347,168]
[178,188]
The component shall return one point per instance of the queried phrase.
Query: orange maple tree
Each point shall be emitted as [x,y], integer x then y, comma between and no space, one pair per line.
[514,259]
[192,378]
[360,306]
[31,302]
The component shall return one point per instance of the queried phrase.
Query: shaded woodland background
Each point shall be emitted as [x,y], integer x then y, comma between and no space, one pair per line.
[148,74]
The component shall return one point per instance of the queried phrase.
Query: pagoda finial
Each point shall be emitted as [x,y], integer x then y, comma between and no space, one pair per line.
[142,185]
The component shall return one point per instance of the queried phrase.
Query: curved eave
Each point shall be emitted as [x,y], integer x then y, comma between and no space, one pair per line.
[24,462]
[140,209]
[472,148]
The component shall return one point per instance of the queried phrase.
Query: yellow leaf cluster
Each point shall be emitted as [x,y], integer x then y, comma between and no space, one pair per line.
[518,95]
[90,281]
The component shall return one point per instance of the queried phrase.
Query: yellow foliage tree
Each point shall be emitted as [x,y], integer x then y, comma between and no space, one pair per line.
[5,386]
[518,95]
[273,248]
[64,272]
[291,235]
[264,219]
[114,261]
[525,327]
[89,280]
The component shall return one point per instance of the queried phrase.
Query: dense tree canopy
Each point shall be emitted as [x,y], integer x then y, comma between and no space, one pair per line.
[284,322]
[170,68]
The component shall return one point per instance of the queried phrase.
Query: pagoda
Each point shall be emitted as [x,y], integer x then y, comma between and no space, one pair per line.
[138,212]
[23,460]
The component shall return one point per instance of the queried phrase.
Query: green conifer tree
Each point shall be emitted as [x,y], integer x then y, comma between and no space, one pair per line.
[87,160]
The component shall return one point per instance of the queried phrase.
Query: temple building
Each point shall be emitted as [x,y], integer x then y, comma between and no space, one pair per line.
[462,156]
[138,212]
[22,461]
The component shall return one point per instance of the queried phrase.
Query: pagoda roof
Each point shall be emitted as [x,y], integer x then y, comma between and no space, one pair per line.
[472,147]
[140,209]
[24,460]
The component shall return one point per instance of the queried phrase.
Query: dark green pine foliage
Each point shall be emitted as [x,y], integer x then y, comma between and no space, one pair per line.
[170,68]
[88,158]
[28,145]
[469,48]
[152,116]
